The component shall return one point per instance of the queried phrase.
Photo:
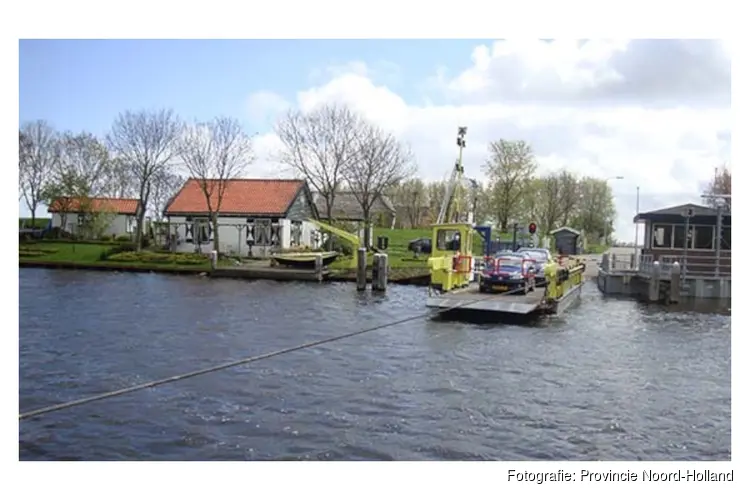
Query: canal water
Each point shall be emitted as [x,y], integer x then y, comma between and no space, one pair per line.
[609,380]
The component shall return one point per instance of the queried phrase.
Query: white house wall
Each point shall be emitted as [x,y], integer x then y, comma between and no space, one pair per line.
[118,226]
[233,241]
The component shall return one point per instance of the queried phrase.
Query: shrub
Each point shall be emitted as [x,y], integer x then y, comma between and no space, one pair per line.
[158,258]
[121,248]
[123,237]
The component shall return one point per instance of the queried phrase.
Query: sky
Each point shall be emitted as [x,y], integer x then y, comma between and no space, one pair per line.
[655,112]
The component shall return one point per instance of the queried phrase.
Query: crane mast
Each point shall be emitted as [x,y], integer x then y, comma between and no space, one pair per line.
[454,185]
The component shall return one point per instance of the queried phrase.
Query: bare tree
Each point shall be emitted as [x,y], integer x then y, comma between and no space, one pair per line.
[319,146]
[410,198]
[145,142]
[86,159]
[164,186]
[121,181]
[39,153]
[381,163]
[214,153]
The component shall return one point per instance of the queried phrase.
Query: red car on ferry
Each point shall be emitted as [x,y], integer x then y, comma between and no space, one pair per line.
[508,273]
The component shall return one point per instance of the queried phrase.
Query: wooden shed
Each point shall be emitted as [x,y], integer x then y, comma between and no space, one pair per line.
[566,240]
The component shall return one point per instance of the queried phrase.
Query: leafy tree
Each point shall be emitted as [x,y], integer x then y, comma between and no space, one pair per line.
[510,167]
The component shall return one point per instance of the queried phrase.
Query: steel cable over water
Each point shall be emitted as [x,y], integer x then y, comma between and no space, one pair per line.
[243,361]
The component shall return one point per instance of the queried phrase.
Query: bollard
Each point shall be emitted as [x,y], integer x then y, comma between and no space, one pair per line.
[605,262]
[319,267]
[675,284]
[361,269]
[214,259]
[380,272]
[654,282]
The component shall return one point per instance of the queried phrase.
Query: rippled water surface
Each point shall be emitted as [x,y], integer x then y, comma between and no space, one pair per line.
[609,380]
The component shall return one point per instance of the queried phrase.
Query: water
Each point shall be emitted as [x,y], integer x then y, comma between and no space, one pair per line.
[610,380]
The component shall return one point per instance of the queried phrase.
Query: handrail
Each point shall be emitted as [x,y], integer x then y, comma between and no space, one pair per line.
[690,268]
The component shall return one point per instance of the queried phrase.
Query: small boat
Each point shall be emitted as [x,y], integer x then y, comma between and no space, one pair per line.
[304,260]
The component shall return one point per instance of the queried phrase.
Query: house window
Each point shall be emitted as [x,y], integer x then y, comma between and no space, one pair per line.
[679,237]
[130,225]
[296,233]
[201,231]
[703,237]
[448,239]
[662,236]
[262,232]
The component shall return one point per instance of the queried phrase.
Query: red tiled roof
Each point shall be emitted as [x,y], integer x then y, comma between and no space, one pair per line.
[241,196]
[125,206]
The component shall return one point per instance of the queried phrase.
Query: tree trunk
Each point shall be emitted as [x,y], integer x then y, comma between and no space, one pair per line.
[215,224]
[33,216]
[367,242]
[329,215]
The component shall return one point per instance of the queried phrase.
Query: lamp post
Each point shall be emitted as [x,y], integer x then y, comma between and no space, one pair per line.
[637,211]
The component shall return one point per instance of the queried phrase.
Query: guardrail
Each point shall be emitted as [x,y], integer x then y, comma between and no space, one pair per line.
[690,267]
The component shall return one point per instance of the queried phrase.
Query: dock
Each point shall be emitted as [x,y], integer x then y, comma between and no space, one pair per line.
[264,271]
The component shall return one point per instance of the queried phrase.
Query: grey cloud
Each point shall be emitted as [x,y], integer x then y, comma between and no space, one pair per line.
[653,72]
[693,72]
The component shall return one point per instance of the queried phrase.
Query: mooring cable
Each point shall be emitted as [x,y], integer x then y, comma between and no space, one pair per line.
[243,361]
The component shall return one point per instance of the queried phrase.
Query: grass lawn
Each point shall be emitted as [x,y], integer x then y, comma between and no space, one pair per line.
[90,254]
[54,251]
[39,222]
[398,254]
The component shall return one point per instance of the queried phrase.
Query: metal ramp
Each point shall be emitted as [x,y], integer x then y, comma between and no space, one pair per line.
[470,298]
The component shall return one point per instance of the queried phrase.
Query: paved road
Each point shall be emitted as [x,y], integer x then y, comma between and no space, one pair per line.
[593,259]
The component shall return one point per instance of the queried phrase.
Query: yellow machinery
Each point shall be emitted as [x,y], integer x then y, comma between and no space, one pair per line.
[451,262]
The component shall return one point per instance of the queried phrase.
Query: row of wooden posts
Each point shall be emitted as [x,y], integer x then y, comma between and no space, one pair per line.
[379,271]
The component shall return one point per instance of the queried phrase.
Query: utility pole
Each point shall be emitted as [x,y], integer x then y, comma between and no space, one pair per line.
[637,211]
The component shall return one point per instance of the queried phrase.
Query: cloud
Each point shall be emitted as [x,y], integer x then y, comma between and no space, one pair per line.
[661,72]
[264,107]
[648,111]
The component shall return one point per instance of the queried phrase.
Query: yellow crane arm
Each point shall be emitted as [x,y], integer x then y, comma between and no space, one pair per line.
[351,238]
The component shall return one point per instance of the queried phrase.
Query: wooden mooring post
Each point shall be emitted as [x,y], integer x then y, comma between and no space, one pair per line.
[319,267]
[380,272]
[675,284]
[654,281]
[361,269]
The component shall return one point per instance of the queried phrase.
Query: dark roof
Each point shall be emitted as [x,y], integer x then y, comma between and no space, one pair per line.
[675,212]
[565,228]
[241,197]
[346,206]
